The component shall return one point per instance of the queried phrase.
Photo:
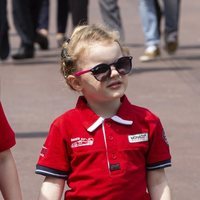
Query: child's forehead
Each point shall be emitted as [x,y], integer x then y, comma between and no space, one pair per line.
[103,50]
[91,45]
[100,53]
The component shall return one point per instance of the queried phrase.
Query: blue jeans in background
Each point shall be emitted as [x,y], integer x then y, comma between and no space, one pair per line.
[150,22]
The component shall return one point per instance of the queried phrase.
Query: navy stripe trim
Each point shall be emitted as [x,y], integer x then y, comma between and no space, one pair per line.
[46,171]
[159,165]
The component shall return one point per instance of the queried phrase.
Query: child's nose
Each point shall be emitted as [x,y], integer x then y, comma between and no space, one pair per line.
[114,72]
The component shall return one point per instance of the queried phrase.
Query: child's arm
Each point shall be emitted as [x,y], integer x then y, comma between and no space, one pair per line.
[52,188]
[9,182]
[157,185]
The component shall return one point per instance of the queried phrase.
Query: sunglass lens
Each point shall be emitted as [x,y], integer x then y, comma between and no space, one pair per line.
[101,72]
[124,65]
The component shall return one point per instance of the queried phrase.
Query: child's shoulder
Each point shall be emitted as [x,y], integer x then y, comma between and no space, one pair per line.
[134,111]
[143,112]
[69,115]
[138,108]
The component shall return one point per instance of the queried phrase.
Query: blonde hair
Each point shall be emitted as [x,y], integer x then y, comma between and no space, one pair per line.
[82,37]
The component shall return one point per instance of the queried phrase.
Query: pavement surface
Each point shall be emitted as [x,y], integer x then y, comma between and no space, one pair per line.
[33,93]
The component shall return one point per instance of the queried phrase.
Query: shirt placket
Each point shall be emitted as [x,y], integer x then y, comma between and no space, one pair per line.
[111,150]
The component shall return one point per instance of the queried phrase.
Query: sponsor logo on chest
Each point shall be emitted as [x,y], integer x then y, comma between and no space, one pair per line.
[79,142]
[140,137]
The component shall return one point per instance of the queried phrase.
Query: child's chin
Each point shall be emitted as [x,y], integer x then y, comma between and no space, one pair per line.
[117,95]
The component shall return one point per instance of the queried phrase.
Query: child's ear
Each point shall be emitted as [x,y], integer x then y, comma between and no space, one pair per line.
[74,83]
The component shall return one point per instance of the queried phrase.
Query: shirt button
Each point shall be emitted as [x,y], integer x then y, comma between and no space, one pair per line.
[111,137]
[108,124]
[114,156]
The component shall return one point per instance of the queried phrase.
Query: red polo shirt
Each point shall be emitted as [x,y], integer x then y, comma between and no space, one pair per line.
[7,137]
[101,158]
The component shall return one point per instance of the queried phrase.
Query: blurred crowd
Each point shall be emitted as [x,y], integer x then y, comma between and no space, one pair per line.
[31,20]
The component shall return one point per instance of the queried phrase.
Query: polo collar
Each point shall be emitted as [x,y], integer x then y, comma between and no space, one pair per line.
[115,118]
[91,121]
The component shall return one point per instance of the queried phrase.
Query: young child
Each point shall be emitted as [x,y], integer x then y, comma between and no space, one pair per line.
[105,148]
[9,182]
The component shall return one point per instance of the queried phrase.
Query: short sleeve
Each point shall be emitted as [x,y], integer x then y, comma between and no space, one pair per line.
[53,160]
[7,136]
[159,152]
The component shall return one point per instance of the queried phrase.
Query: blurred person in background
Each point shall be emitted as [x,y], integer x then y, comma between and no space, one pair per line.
[25,16]
[150,16]
[4,40]
[110,13]
[78,11]
[43,26]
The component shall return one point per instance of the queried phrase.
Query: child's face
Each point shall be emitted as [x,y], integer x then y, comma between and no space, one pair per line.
[113,87]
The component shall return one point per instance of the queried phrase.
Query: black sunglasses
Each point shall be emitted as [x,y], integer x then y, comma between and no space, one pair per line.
[103,71]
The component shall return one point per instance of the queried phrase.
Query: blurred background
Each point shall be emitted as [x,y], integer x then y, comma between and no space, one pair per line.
[33,93]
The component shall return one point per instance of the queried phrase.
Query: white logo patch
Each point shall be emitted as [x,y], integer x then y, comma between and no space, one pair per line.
[140,137]
[79,142]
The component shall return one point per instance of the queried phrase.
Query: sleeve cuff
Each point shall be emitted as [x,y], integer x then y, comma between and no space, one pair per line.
[159,165]
[46,171]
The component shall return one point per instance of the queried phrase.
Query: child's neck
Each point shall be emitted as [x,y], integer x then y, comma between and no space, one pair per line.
[105,109]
